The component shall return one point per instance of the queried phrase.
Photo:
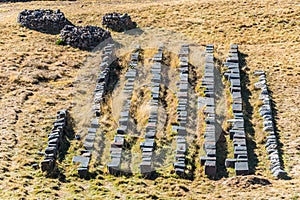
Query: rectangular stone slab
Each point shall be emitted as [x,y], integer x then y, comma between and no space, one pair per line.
[210,168]
[230,162]
[146,167]
[84,161]
[241,168]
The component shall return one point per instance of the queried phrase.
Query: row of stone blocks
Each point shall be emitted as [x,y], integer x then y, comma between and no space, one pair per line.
[148,146]
[55,139]
[182,111]
[237,130]
[108,57]
[116,148]
[266,113]
[209,160]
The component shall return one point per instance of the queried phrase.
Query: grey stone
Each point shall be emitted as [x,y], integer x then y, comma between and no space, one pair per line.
[122,130]
[241,168]
[210,168]
[211,152]
[268,128]
[83,37]
[203,159]
[230,162]
[90,137]
[240,152]
[236,95]
[237,107]
[146,167]
[92,130]
[148,143]
[82,160]
[258,72]
[181,148]
[88,145]
[148,149]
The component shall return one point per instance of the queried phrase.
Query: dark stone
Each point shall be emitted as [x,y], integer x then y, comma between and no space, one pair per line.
[47,165]
[83,37]
[146,167]
[47,21]
[77,137]
[230,162]
[118,22]
[210,168]
[82,172]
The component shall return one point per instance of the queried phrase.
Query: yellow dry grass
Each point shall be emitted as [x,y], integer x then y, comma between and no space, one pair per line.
[37,78]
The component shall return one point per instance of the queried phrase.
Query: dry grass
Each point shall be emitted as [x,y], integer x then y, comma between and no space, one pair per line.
[31,63]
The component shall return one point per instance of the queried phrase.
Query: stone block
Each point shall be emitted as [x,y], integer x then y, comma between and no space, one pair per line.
[230,162]
[210,168]
[239,152]
[83,161]
[241,168]
[47,165]
[88,145]
[146,167]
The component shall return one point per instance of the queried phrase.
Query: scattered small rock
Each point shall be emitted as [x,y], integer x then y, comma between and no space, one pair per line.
[35,166]
[77,137]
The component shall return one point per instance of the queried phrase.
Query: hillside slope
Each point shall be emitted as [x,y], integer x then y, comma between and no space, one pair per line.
[37,78]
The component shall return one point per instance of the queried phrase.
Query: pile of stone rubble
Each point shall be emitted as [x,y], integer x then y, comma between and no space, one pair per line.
[118,22]
[48,21]
[83,37]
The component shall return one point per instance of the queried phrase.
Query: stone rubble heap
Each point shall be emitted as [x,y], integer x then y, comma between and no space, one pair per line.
[266,113]
[83,37]
[55,139]
[118,22]
[48,21]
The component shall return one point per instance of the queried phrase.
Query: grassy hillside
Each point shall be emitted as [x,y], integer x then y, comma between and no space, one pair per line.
[38,77]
